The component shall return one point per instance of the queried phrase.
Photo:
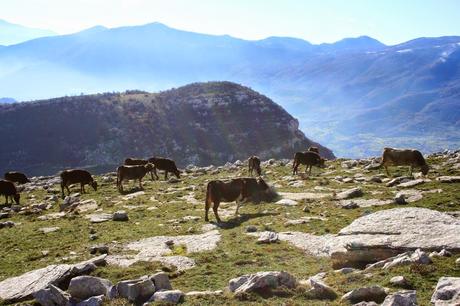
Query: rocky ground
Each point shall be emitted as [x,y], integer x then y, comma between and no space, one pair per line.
[345,235]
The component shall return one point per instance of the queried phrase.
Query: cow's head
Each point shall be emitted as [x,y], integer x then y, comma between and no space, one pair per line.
[16,198]
[94,185]
[266,193]
[177,173]
[425,169]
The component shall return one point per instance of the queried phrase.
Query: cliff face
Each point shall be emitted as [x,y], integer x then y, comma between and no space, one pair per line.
[202,123]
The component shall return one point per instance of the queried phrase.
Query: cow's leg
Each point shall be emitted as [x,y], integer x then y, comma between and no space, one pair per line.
[68,189]
[309,170]
[62,190]
[214,208]
[140,183]
[166,175]
[410,170]
[6,199]
[151,175]
[386,170]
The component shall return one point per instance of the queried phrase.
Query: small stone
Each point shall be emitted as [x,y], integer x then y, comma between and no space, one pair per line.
[401,298]
[400,281]
[99,249]
[268,237]
[46,230]
[400,199]
[373,293]
[93,237]
[251,229]
[120,215]
[350,193]
[168,296]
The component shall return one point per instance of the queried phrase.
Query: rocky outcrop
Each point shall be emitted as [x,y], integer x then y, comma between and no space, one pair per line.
[261,282]
[23,287]
[401,298]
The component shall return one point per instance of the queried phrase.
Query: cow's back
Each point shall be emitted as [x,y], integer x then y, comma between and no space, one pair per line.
[402,157]
[76,176]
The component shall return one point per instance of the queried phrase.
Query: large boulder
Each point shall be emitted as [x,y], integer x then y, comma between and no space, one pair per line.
[447,292]
[23,287]
[262,281]
[161,281]
[84,287]
[52,296]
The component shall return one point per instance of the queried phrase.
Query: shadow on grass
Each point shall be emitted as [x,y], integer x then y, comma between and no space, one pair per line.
[238,220]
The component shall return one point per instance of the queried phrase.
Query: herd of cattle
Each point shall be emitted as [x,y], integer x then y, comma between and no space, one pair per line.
[238,189]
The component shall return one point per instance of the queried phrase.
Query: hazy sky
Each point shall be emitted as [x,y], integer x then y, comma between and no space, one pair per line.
[390,21]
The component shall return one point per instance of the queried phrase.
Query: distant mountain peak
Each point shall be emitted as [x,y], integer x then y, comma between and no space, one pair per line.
[11,33]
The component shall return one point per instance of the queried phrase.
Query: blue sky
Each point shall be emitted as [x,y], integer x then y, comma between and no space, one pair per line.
[390,21]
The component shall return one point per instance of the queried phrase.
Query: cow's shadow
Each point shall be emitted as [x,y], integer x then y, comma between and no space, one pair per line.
[238,220]
[131,190]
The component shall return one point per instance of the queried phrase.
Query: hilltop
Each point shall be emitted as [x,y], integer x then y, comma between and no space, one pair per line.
[201,123]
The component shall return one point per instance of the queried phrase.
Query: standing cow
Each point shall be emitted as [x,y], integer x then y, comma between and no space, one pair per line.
[137,162]
[309,159]
[17,177]
[254,164]
[125,173]
[239,190]
[404,157]
[76,176]
[8,189]
[165,164]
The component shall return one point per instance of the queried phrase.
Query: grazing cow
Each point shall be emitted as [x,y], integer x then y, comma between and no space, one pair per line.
[16,177]
[76,176]
[125,173]
[313,149]
[8,189]
[254,164]
[136,162]
[309,159]
[238,190]
[165,164]
[411,158]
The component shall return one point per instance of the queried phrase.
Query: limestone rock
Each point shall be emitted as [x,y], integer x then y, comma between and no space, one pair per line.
[447,292]
[52,296]
[412,183]
[84,287]
[168,296]
[401,298]
[319,290]
[400,281]
[99,217]
[268,237]
[92,301]
[448,179]
[120,215]
[161,281]
[137,291]
[373,293]
[204,293]
[350,193]
[287,202]
[261,281]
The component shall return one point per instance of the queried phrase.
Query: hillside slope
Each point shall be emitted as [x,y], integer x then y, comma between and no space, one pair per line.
[204,123]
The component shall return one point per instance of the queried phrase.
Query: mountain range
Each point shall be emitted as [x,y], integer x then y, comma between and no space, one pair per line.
[200,124]
[11,33]
[355,96]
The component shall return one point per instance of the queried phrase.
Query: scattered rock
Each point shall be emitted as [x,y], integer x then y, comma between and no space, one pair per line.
[302,220]
[46,230]
[287,202]
[400,199]
[173,180]
[373,293]
[69,201]
[251,229]
[261,281]
[161,281]
[442,253]
[400,281]
[350,193]
[7,224]
[401,298]
[412,183]
[4,215]
[204,293]
[447,292]
[84,287]
[99,249]
[448,179]
[92,301]
[168,296]
[99,218]
[319,290]
[120,215]
[137,290]
[268,237]
[52,296]
[350,205]
[399,180]
[410,195]
[133,195]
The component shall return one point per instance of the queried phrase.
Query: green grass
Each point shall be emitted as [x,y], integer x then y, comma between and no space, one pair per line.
[237,253]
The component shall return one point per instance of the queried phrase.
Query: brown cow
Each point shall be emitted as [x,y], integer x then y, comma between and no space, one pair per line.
[8,189]
[309,159]
[75,176]
[165,164]
[17,177]
[239,190]
[254,164]
[125,173]
[136,162]
[313,149]
[396,157]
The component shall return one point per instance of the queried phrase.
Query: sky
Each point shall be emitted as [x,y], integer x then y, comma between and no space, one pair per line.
[390,21]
